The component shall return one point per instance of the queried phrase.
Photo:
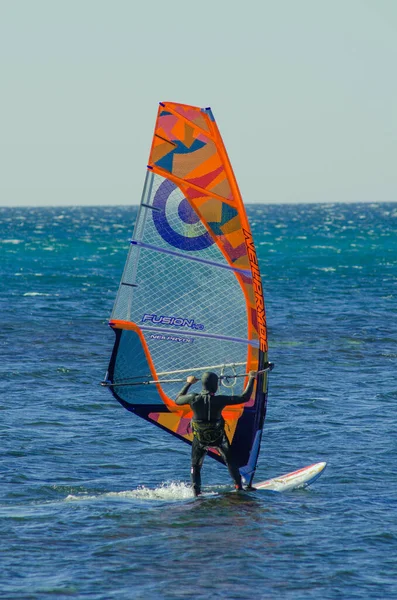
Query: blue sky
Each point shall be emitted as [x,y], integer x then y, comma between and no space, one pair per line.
[304,93]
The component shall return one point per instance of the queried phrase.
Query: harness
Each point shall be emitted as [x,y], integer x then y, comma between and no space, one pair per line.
[208,433]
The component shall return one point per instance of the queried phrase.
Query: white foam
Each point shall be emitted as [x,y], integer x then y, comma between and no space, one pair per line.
[35,294]
[170,491]
[174,490]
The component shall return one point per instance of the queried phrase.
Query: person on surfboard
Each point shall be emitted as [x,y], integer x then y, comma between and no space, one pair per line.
[208,424]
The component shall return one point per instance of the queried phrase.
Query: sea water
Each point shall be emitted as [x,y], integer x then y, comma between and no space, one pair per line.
[95,503]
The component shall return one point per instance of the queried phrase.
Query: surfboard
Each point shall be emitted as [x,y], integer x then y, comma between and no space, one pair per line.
[294,480]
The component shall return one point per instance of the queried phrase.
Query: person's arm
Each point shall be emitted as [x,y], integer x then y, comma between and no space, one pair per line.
[246,395]
[183,397]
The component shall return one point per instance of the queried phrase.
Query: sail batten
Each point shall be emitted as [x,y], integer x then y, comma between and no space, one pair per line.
[190,184]
[245,272]
[211,336]
[191,291]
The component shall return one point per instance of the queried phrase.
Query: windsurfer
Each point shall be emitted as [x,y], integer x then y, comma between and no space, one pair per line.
[208,424]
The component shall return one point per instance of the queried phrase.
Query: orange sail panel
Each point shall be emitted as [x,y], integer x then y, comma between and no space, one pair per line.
[190,299]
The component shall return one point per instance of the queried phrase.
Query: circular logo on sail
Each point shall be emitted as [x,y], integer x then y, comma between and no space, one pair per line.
[176,221]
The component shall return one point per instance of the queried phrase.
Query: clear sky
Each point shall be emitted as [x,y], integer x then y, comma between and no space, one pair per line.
[304,93]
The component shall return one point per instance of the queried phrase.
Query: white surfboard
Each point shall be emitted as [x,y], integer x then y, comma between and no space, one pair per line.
[292,481]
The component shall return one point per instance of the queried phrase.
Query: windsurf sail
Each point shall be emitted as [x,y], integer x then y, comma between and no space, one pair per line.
[190,298]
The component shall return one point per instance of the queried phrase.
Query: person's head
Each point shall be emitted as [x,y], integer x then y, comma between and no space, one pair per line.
[210,382]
